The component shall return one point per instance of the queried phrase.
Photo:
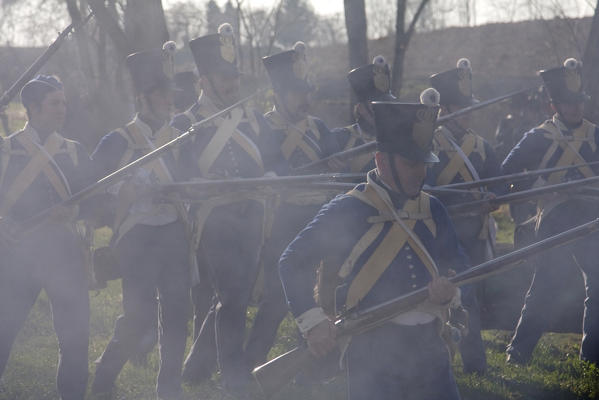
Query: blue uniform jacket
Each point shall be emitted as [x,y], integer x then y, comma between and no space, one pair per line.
[71,163]
[350,137]
[233,160]
[322,143]
[529,152]
[334,232]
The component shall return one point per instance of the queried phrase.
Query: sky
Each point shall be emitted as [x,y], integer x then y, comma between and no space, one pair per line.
[486,10]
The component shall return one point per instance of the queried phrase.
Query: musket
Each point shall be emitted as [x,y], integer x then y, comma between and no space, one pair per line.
[371,146]
[520,176]
[523,195]
[126,170]
[194,191]
[275,374]
[39,62]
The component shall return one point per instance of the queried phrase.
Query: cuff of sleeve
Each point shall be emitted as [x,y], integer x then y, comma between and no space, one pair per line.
[310,319]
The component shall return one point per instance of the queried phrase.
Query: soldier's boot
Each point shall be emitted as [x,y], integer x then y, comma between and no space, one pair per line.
[108,367]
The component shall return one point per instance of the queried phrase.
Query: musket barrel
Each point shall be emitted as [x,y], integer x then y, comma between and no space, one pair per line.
[39,62]
[524,195]
[275,374]
[371,146]
[124,171]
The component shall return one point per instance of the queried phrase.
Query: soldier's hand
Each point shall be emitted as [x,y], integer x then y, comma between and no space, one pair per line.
[490,207]
[321,338]
[441,291]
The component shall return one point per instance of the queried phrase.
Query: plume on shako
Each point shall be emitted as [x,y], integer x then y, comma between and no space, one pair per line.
[168,51]
[464,63]
[300,65]
[430,97]
[564,83]
[227,42]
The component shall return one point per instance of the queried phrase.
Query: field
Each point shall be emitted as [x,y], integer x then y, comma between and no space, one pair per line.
[554,373]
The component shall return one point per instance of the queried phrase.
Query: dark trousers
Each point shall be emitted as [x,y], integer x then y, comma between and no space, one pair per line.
[154,261]
[202,358]
[49,259]
[229,249]
[546,298]
[396,362]
[289,220]
[471,346]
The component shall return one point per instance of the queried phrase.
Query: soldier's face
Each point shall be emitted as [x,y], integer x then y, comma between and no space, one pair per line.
[410,173]
[222,88]
[160,102]
[51,112]
[464,121]
[570,113]
[297,104]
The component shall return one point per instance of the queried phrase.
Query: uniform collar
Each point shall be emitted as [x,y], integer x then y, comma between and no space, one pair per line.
[34,135]
[562,125]
[397,198]
[148,129]
[206,104]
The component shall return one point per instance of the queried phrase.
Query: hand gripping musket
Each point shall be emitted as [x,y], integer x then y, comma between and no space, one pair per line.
[523,195]
[126,170]
[40,61]
[275,374]
[371,146]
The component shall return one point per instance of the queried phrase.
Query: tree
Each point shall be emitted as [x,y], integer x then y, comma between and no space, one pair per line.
[356,26]
[591,66]
[402,39]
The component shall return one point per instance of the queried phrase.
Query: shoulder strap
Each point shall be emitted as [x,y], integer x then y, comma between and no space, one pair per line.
[400,234]
[40,162]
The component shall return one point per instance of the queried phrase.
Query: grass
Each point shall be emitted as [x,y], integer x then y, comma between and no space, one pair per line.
[554,373]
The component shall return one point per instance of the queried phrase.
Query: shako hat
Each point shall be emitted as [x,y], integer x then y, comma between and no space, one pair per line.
[37,87]
[372,82]
[407,128]
[288,70]
[216,52]
[455,85]
[564,83]
[152,69]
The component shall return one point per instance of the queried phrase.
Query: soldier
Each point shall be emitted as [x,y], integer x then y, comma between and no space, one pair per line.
[228,232]
[149,238]
[40,168]
[566,139]
[371,82]
[464,156]
[383,239]
[299,139]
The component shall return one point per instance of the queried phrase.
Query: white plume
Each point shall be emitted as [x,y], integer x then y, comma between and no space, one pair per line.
[464,63]
[379,60]
[170,47]
[225,29]
[572,63]
[299,47]
[430,97]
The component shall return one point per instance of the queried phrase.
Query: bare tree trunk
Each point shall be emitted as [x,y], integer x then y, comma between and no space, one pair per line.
[357,40]
[590,68]
[402,40]
[145,24]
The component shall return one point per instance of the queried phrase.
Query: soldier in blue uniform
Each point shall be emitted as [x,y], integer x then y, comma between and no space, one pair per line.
[298,139]
[566,139]
[228,228]
[39,169]
[464,156]
[383,239]
[149,236]
[371,82]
